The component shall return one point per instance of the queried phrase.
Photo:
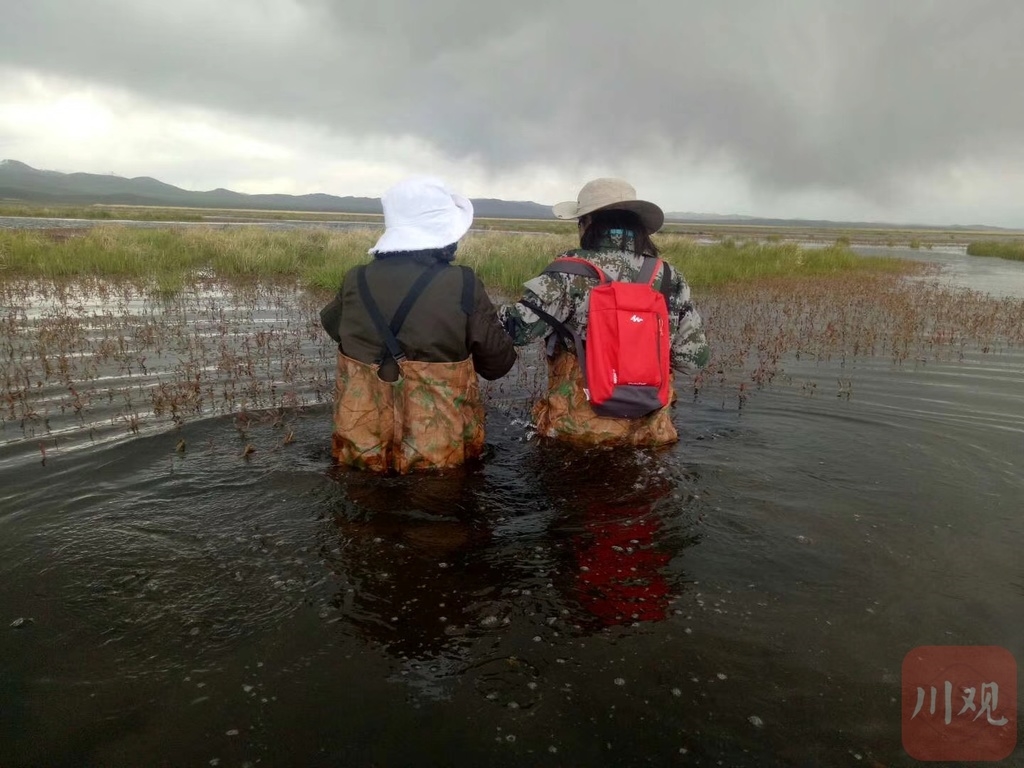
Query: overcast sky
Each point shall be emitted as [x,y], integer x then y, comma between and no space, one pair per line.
[845,109]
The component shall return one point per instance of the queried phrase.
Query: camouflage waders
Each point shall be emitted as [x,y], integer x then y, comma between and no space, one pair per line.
[430,418]
[565,414]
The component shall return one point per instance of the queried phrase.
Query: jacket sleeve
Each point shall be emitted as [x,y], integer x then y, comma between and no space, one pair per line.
[551,294]
[491,348]
[330,318]
[689,351]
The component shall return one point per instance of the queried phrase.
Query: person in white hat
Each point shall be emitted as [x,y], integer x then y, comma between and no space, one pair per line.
[615,235]
[413,332]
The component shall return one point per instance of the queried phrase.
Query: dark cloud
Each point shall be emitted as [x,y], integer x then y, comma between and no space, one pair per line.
[855,96]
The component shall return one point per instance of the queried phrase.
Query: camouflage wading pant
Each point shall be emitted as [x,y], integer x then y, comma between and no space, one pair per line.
[566,415]
[431,418]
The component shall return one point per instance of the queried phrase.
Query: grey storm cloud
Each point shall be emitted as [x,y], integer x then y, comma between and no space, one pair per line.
[847,95]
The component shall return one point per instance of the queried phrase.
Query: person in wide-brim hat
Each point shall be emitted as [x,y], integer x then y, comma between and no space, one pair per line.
[611,194]
[615,229]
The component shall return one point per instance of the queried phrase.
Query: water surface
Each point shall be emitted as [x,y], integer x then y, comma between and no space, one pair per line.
[215,593]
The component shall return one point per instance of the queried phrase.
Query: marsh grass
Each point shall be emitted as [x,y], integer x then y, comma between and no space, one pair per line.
[711,266]
[1006,249]
[168,258]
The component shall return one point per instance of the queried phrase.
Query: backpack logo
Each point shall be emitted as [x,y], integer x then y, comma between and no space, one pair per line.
[636,319]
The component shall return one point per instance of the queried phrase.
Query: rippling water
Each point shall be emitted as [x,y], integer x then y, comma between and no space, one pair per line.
[212,592]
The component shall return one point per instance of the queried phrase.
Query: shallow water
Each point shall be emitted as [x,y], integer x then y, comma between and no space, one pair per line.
[996,277]
[214,593]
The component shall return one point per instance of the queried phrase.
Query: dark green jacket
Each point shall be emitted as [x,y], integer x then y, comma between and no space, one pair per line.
[437,329]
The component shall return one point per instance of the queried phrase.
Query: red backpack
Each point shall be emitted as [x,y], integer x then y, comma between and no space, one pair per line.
[625,360]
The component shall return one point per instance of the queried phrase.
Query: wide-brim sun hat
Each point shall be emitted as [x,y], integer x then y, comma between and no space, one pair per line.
[420,213]
[611,194]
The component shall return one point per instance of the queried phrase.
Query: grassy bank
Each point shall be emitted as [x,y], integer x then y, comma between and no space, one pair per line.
[1007,249]
[170,258]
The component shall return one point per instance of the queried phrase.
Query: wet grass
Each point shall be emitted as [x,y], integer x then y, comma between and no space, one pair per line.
[1011,249]
[318,258]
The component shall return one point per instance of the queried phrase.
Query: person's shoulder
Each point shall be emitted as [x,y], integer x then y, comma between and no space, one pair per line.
[579,253]
[355,269]
[351,274]
[593,256]
[614,263]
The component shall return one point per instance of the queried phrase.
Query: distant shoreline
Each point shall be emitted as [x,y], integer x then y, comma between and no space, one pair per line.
[18,215]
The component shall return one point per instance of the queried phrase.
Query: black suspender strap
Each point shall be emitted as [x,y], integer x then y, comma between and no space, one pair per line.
[391,345]
[468,291]
[389,331]
[414,293]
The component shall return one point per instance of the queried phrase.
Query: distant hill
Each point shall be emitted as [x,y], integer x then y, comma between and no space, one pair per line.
[21,182]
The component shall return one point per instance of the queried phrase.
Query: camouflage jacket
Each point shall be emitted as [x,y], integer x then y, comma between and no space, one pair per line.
[567,298]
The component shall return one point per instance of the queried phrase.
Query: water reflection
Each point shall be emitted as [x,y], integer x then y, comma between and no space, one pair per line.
[609,510]
[432,576]
[406,558]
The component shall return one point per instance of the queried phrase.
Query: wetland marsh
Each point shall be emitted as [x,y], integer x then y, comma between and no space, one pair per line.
[187,581]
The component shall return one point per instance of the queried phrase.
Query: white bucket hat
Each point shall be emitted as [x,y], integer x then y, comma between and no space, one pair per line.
[420,213]
[611,194]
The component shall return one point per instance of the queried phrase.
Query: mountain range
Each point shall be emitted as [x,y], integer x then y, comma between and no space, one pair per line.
[22,183]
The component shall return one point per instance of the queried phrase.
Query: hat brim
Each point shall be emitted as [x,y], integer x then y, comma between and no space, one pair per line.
[652,217]
[412,238]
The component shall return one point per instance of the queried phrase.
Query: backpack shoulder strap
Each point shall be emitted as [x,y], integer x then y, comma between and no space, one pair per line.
[666,284]
[574,265]
[647,270]
[650,269]
[566,333]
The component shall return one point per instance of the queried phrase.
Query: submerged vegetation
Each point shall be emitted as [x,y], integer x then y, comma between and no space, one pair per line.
[1005,249]
[91,360]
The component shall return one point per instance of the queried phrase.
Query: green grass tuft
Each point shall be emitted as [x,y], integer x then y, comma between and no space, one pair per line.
[1007,249]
